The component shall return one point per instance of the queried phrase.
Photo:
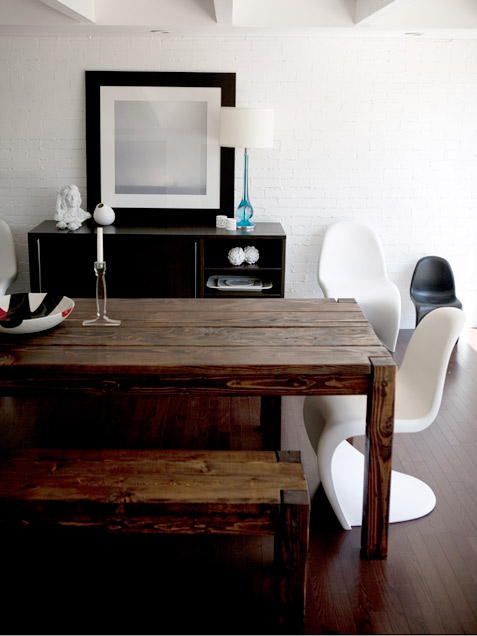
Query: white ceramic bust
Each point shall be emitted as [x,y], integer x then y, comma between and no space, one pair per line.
[68,209]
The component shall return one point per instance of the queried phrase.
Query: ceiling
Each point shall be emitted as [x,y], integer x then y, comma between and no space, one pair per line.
[372,18]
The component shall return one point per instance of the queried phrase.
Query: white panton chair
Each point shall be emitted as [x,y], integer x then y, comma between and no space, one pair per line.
[8,259]
[330,420]
[352,265]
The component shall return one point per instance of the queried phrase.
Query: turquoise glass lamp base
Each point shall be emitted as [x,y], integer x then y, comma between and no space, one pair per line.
[245,209]
[243,216]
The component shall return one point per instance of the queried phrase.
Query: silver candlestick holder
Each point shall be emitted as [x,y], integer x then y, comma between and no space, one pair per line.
[101,316]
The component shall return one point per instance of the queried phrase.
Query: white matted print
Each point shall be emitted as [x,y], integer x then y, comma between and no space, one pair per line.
[160,146]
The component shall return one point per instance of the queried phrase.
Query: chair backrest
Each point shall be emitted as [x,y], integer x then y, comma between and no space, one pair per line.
[8,259]
[421,376]
[350,251]
[432,278]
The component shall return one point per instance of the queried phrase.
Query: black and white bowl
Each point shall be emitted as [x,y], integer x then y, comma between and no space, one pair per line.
[30,313]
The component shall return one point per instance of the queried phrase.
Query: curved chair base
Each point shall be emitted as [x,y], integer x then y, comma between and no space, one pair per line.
[411,498]
[330,420]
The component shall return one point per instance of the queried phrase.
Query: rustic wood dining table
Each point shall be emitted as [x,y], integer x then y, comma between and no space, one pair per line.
[232,346]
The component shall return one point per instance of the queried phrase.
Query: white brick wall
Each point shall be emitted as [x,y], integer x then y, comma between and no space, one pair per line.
[382,130]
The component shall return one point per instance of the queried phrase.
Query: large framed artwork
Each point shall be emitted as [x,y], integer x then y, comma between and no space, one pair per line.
[152,145]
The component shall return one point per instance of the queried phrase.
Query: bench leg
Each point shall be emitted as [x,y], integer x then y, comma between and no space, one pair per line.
[291,547]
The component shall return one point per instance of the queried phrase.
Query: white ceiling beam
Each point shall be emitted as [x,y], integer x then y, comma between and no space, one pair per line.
[365,9]
[224,11]
[79,10]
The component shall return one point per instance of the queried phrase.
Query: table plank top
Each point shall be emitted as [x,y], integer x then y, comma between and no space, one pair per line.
[212,339]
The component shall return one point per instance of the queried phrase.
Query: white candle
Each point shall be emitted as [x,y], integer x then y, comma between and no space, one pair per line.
[99,245]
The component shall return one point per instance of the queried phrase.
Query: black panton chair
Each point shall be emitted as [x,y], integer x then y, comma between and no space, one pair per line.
[432,286]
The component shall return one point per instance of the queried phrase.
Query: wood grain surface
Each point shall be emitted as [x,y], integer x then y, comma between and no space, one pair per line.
[169,492]
[233,347]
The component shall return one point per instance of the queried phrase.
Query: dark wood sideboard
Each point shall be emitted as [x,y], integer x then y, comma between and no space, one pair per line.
[153,262]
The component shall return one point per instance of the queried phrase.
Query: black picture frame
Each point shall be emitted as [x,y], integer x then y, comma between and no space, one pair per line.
[161,214]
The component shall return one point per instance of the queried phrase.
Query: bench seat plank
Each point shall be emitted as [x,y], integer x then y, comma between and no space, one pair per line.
[167,491]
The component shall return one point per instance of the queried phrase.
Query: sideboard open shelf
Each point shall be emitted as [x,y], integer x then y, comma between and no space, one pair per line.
[154,262]
[269,268]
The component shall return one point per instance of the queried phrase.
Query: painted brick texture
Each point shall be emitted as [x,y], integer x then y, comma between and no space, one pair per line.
[380,130]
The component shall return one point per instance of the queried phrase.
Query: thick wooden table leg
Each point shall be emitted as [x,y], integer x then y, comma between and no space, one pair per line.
[377,470]
[271,421]
[291,548]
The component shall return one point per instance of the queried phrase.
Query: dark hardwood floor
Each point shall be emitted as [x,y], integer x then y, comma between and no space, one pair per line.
[71,583]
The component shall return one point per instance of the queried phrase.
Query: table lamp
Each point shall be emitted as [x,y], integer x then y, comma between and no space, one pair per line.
[246,128]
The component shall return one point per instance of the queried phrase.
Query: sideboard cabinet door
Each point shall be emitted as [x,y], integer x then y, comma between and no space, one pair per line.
[151,267]
[137,266]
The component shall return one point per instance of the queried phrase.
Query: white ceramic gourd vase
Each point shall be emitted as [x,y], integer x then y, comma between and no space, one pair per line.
[103,214]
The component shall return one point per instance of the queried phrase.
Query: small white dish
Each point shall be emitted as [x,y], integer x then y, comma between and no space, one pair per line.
[239,282]
[33,312]
[236,284]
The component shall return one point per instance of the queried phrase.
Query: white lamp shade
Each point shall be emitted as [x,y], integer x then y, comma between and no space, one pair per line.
[246,127]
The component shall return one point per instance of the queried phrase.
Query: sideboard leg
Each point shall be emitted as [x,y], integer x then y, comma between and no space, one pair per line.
[271,421]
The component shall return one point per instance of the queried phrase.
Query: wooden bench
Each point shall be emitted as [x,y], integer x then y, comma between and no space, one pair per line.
[169,491]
